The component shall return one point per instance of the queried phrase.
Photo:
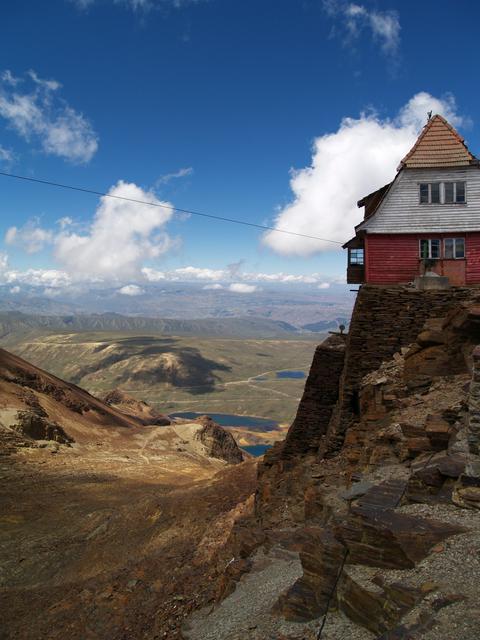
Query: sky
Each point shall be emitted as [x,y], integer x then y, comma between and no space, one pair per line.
[276,112]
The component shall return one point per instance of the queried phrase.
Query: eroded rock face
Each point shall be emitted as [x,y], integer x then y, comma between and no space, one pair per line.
[38,427]
[385,538]
[137,409]
[377,610]
[322,556]
[218,442]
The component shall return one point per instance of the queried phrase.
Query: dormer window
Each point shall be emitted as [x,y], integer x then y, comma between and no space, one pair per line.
[442,193]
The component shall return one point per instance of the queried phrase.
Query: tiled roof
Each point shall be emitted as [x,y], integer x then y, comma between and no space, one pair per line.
[439,145]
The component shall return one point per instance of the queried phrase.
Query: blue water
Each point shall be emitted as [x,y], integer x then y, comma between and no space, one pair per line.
[229,420]
[290,374]
[257,449]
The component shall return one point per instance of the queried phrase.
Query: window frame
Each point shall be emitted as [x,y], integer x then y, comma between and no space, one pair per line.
[430,240]
[356,262]
[454,247]
[441,184]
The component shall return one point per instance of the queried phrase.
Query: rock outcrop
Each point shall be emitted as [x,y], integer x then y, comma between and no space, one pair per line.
[218,442]
[134,408]
[373,489]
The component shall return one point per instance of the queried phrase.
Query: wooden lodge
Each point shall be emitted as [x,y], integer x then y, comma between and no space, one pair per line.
[426,220]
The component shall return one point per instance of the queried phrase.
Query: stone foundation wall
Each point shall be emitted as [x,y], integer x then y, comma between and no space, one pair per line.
[319,398]
[384,320]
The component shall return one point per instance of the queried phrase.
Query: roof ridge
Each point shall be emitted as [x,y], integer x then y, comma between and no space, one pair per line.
[437,118]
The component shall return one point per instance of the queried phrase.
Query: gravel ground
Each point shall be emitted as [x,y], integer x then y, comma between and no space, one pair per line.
[246,614]
[452,569]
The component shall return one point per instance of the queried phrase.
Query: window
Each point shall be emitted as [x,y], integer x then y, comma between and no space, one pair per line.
[454,248]
[435,193]
[454,192]
[442,193]
[356,256]
[430,249]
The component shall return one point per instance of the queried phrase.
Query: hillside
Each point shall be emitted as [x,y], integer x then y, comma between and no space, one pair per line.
[174,373]
[90,510]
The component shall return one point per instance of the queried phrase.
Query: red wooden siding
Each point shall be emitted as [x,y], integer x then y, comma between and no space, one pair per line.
[394,258]
[473,258]
[391,258]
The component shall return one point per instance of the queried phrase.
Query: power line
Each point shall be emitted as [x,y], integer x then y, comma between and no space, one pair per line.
[165,206]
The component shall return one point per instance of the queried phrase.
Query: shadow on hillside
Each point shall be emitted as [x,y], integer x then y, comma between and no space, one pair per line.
[188,368]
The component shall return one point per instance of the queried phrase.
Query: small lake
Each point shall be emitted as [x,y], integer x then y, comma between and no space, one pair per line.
[231,420]
[257,449]
[291,374]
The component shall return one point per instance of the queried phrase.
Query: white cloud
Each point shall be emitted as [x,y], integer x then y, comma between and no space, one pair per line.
[58,281]
[346,165]
[213,287]
[40,113]
[50,292]
[7,77]
[121,237]
[355,20]
[6,155]
[131,290]
[239,287]
[31,237]
[38,278]
[16,289]
[152,275]
[197,273]
[64,222]
[168,177]
[3,263]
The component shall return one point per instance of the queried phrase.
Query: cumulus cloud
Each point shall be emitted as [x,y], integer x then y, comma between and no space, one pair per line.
[34,109]
[122,236]
[347,165]
[16,289]
[245,282]
[152,275]
[213,287]
[355,20]
[131,290]
[240,287]
[192,274]
[52,278]
[196,273]
[126,231]
[31,237]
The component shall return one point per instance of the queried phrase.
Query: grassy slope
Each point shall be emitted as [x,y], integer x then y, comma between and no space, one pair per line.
[180,373]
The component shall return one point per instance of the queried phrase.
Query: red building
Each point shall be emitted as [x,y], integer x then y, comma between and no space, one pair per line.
[427,219]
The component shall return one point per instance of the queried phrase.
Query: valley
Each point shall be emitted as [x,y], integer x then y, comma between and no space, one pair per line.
[176,374]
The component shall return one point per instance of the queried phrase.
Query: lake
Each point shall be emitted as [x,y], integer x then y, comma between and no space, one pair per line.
[231,420]
[291,374]
[257,449]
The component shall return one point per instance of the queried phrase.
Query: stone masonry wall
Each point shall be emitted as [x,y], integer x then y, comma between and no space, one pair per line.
[384,320]
[319,398]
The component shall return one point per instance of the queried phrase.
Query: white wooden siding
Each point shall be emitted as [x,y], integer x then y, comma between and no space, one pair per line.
[401,211]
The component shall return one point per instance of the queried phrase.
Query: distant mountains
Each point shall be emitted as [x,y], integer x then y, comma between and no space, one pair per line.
[296,306]
[15,323]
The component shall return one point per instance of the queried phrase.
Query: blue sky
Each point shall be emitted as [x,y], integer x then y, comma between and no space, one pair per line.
[209,105]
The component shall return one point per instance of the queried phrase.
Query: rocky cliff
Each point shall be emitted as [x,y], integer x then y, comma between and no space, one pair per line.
[377,485]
